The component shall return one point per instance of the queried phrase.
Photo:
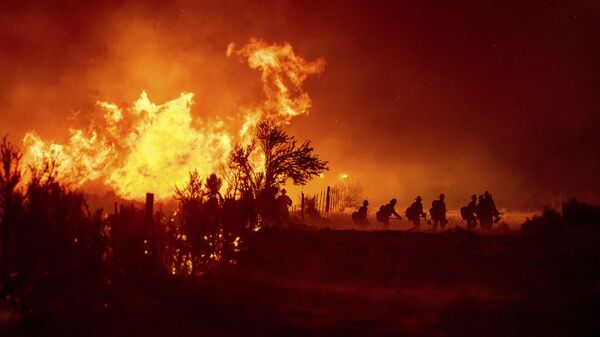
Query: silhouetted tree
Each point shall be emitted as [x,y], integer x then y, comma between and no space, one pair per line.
[10,177]
[240,174]
[282,159]
[269,161]
[11,203]
[285,159]
[213,186]
[192,191]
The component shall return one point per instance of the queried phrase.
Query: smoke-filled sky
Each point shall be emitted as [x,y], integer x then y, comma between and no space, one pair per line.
[415,99]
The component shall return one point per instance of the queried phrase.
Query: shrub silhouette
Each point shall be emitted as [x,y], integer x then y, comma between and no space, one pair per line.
[210,226]
[50,239]
[574,214]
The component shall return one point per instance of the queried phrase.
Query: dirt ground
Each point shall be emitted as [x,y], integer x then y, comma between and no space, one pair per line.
[356,283]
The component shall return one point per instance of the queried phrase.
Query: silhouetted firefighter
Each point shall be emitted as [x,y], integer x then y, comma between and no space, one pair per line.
[360,217]
[283,204]
[415,212]
[483,213]
[468,213]
[486,211]
[495,213]
[387,210]
[438,212]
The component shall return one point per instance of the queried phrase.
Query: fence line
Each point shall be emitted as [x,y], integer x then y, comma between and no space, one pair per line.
[329,199]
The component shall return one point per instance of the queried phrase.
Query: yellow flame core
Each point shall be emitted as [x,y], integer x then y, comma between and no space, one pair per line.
[152,147]
[163,147]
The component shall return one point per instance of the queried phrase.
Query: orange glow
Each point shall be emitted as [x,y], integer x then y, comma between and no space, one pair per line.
[149,147]
[283,73]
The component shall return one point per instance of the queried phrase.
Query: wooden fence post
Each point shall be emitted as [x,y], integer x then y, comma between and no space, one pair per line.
[302,208]
[327,201]
[321,202]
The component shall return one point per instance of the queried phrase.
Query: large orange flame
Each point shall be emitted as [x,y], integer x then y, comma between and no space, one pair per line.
[151,148]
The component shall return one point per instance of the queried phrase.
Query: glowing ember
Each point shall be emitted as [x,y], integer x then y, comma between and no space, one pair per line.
[153,147]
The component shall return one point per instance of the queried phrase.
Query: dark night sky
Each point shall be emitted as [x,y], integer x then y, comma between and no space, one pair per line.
[416,98]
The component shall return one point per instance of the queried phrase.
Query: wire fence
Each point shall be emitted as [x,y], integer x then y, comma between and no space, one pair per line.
[330,199]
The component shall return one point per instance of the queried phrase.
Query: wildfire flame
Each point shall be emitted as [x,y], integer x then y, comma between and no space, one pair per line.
[152,147]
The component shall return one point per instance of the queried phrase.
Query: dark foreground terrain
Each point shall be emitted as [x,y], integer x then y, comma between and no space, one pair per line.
[353,283]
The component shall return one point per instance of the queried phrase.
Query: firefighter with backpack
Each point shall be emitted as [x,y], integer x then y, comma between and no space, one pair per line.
[469,213]
[414,213]
[386,211]
[360,216]
[438,212]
